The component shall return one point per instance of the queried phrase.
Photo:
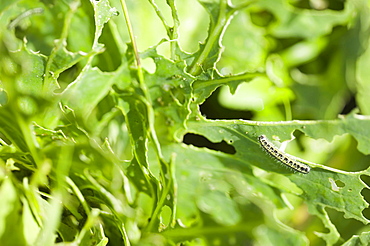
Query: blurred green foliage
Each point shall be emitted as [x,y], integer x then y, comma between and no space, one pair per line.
[97,97]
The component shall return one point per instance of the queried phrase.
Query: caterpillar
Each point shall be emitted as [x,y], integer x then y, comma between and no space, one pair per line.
[288,160]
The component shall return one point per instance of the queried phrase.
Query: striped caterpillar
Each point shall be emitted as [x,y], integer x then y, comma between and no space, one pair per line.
[282,157]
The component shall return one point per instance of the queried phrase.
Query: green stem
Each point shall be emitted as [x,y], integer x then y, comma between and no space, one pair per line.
[288,109]
[59,44]
[146,99]
[215,35]
[24,15]
[133,42]
[199,85]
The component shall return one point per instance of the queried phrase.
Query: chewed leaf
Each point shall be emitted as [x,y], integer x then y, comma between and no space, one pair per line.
[103,13]
[226,193]
[87,90]
[319,190]
[347,199]
[104,137]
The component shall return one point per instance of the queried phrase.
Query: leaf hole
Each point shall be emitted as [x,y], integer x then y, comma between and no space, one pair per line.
[345,226]
[366,195]
[109,60]
[149,65]
[212,109]
[200,141]
[67,76]
[166,216]
[336,185]
[365,179]
[339,183]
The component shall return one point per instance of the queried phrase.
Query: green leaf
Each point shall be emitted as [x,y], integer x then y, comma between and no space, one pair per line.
[11,226]
[362,239]
[90,87]
[220,191]
[209,52]
[204,87]
[318,188]
[171,93]
[96,150]
[103,13]
[31,228]
[362,73]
